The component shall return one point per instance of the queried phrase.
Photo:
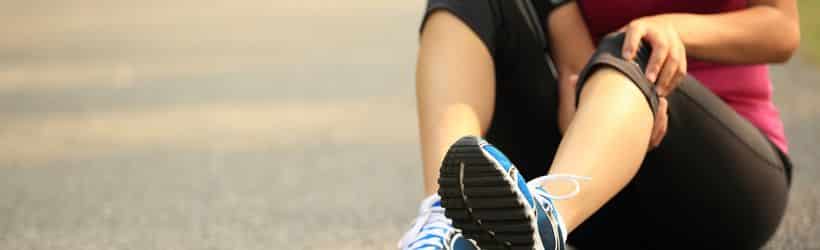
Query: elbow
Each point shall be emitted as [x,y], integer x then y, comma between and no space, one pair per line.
[785,52]
[788,42]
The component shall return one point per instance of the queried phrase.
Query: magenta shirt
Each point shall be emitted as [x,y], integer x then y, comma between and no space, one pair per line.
[746,88]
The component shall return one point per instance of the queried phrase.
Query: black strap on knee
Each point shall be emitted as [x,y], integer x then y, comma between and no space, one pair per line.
[608,54]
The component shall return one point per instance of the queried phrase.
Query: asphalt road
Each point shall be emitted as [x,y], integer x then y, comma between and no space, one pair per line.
[241,125]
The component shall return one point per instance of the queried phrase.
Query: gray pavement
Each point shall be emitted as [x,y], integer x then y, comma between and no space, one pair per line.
[241,125]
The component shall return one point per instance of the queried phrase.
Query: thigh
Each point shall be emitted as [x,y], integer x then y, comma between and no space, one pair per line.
[714,182]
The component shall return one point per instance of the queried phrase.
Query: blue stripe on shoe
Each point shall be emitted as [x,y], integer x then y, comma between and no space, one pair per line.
[435,228]
[545,228]
[431,236]
[430,246]
[549,228]
[460,243]
[525,190]
[500,157]
[506,164]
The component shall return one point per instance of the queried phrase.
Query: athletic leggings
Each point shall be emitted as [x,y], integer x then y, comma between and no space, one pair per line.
[715,182]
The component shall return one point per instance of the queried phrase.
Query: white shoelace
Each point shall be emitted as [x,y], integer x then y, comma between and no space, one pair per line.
[431,221]
[542,196]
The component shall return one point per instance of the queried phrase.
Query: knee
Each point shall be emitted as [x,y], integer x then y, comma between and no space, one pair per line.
[608,54]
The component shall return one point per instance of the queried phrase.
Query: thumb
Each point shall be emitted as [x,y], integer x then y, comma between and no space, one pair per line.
[571,83]
[573,79]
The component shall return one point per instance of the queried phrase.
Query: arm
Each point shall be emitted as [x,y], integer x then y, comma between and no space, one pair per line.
[766,32]
[571,47]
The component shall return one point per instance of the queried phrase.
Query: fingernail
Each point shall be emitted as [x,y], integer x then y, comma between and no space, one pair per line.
[658,90]
[626,54]
[651,76]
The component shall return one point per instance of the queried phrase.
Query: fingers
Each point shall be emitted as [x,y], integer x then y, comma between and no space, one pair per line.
[673,70]
[667,63]
[661,123]
[668,73]
[573,79]
[684,63]
[681,72]
[660,51]
[635,31]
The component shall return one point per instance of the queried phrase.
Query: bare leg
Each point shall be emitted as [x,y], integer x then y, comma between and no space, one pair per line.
[455,88]
[606,140]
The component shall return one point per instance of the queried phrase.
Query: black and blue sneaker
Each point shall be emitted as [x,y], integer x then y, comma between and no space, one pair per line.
[433,231]
[486,197]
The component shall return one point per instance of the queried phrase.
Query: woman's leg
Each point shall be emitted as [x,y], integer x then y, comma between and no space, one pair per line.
[606,140]
[715,182]
[455,88]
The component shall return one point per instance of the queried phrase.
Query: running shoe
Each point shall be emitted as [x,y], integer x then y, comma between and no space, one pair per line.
[486,197]
[433,231]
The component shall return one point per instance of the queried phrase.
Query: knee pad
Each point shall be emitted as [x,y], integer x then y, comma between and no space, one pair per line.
[608,54]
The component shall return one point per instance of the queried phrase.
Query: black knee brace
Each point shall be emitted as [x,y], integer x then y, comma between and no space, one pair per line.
[608,54]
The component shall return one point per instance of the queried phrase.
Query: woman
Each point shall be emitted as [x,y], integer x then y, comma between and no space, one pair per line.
[667,128]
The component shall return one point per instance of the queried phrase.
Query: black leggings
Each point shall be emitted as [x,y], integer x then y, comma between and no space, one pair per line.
[715,182]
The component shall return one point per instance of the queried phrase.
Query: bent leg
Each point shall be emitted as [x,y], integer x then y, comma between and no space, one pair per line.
[715,182]
[455,88]
[606,140]
[608,136]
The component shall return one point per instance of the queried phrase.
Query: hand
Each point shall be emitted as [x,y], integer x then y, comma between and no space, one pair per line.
[667,64]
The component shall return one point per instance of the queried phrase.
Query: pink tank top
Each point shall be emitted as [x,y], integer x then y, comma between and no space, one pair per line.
[746,88]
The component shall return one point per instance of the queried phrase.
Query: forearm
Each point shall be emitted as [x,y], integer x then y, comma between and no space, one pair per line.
[571,47]
[759,34]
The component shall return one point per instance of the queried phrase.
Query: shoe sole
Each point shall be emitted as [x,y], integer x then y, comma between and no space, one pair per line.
[481,199]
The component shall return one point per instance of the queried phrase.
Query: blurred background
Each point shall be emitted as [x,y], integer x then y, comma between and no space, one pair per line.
[182,124]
